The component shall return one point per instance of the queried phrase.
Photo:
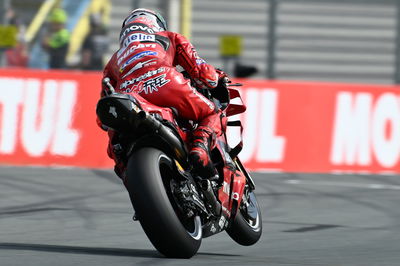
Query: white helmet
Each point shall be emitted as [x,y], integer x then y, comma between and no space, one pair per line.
[151,18]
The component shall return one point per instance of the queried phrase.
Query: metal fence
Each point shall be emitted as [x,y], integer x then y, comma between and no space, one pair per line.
[335,40]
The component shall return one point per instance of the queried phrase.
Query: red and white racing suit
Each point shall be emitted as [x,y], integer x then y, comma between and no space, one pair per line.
[145,64]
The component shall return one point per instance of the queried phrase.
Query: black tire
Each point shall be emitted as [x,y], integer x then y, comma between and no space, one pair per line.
[149,177]
[246,228]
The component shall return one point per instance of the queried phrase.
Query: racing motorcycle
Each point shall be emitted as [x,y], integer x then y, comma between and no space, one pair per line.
[176,208]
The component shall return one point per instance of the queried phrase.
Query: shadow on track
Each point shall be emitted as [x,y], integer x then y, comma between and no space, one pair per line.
[82,250]
[120,252]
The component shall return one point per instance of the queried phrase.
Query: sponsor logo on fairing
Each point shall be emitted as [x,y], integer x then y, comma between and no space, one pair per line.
[136,57]
[221,222]
[121,55]
[235,196]
[151,85]
[142,77]
[224,209]
[226,188]
[213,229]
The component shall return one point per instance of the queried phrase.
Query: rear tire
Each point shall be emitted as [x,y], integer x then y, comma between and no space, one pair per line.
[149,177]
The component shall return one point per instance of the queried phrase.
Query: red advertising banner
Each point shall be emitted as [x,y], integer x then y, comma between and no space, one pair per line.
[48,118]
[321,127]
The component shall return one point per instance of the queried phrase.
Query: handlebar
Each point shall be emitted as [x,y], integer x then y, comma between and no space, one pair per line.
[106,82]
[235,85]
[228,83]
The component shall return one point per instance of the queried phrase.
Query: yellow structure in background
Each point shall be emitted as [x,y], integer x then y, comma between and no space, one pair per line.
[230,45]
[186,18]
[83,26]
[8,36]
[40,18]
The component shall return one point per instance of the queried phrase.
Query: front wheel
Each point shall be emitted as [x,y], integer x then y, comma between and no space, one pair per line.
[246,228]
[150,178]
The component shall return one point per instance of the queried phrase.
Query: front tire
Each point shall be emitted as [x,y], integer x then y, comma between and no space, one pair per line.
[149,176]
[246,227]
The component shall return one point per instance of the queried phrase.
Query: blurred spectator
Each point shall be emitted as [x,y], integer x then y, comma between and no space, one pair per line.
[16,56]
[57,39]
[95,45]
[11,17]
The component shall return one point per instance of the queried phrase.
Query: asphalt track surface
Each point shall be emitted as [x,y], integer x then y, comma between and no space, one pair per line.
[80,217]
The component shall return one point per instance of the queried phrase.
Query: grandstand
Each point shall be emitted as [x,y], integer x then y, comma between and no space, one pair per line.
[344,41]
[348,41]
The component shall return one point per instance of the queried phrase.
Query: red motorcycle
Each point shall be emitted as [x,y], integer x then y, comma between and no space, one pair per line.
[175,208]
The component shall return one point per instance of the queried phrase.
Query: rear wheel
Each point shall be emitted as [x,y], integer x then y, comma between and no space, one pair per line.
[246,228]
[150,183]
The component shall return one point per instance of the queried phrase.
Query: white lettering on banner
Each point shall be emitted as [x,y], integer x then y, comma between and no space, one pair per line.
[259,120]
[66,139]
[386,147]
[361,129]
[38,116]
[351,129]
[10,98]
[251,125]
[272,146]
[43,125]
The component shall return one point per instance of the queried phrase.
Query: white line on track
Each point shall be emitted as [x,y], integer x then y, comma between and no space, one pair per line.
[341,184]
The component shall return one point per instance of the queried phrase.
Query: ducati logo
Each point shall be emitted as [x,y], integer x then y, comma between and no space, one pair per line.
[113,111]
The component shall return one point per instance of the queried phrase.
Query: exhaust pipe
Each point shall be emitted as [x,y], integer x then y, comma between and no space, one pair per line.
[119,112]
[153,125]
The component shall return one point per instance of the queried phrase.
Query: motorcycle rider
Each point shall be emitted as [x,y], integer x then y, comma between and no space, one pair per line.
[146,64]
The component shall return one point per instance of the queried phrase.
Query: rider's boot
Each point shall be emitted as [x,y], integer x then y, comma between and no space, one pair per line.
[203,166]
[200,153]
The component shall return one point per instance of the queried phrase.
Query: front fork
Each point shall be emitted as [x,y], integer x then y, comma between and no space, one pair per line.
[235,184]
[249,180]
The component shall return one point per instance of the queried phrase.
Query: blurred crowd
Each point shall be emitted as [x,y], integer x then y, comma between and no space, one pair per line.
[16,56]
[55,41]
[51,47]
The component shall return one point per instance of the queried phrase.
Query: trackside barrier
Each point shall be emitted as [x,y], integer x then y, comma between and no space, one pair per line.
[48,118]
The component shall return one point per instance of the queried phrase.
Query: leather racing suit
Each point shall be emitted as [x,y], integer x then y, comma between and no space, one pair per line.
[146,64]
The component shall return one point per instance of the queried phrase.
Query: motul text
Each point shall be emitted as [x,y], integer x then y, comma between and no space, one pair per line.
[47,117]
